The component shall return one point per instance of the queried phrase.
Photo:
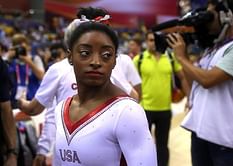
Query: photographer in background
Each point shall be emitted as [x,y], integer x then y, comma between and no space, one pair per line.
[26,71]
[211,98]
[58,53]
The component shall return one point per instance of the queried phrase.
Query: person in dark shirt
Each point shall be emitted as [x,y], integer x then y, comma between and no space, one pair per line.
[8,152]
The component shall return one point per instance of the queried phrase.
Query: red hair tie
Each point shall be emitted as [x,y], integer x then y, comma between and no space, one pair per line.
[104,20]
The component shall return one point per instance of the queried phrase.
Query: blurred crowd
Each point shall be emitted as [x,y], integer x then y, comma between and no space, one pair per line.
[42,35]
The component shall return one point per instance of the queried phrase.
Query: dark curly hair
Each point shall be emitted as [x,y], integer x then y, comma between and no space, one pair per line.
[92,26]
[222,4]
[91,13]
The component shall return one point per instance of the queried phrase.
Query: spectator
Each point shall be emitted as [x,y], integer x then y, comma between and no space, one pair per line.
[134,47]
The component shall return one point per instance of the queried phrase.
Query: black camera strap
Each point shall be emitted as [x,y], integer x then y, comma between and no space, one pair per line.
[176,83]
[140,62]
[171,60]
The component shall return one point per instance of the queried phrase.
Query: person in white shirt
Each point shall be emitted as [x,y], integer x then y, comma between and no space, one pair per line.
[127,74]
[101,122]
[211,98]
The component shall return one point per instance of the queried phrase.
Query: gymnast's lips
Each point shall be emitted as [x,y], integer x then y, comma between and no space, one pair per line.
[94,74]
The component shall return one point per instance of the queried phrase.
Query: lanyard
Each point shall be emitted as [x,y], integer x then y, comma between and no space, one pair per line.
[18,78]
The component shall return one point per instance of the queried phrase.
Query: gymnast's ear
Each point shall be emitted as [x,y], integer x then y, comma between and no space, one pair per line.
[69,56]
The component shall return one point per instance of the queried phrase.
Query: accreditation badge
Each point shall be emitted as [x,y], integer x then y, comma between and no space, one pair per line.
[21,92]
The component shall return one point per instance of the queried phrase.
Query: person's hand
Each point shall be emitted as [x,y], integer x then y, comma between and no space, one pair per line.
[39,160]
[11,160]
[10,54]
[186,107]
[26,59]
[176,42]
[22,103]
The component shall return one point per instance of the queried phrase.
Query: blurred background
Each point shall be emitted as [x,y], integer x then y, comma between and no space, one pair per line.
[44,20]
[125,13]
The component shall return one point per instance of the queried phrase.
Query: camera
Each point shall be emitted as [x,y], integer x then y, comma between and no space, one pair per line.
[197,19]
[55,53]
[56,50]
[161,43]
[20,51]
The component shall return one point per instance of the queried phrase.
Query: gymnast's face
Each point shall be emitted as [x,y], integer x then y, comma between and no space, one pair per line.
[93,56]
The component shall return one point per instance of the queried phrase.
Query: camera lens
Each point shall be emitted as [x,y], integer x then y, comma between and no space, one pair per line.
[20,51]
